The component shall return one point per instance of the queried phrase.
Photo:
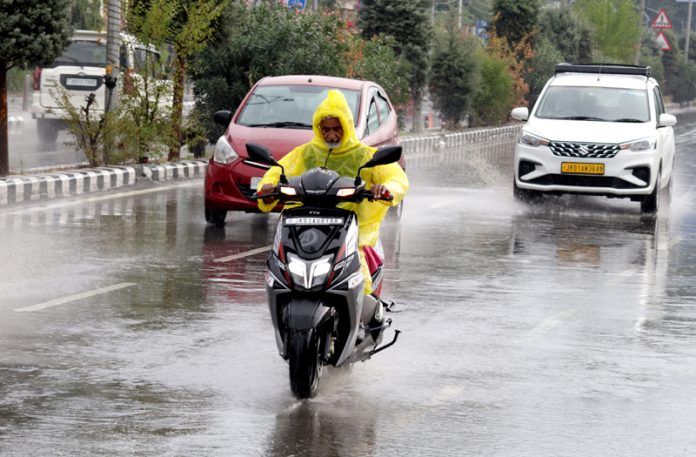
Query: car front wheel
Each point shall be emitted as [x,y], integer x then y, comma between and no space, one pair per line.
[650,203]
[215,216]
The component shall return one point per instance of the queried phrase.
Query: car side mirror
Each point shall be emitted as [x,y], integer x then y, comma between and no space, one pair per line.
[383,156]
[520,114]
[223,117]
[667,120]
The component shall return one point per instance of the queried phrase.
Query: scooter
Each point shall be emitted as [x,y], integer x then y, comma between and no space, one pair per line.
[313,278]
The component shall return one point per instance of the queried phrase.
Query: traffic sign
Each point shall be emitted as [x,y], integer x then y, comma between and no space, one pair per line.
[296,4]
[662,42]
[661,21]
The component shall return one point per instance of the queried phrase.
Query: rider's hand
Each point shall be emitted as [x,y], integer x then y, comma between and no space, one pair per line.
[265,190]
[380,190]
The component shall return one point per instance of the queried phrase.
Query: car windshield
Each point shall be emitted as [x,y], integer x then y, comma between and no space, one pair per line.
[83,53]
[606,104]
[289,106]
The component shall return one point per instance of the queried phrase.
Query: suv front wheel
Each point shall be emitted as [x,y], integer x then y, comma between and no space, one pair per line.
[650,203]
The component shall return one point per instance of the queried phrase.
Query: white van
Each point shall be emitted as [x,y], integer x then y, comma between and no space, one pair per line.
[80,70]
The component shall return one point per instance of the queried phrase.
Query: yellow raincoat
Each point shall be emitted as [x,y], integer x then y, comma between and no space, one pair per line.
[345,160]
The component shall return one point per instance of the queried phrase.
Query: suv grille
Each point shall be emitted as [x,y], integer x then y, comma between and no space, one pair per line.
[584,150]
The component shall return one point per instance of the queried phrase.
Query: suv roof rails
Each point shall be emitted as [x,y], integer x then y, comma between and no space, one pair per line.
[604,68]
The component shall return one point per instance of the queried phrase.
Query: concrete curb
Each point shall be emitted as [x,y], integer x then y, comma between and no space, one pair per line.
[17,189]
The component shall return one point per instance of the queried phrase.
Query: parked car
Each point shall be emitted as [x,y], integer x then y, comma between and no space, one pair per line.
[277,113]
[596,129]
[79,71]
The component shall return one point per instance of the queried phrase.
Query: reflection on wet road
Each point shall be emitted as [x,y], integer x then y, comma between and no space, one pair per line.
[565,328]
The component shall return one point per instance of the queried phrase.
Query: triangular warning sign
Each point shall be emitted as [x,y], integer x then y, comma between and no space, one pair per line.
[661,21]
[662,42]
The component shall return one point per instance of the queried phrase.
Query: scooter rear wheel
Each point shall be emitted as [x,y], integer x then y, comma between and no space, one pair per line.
[305,366]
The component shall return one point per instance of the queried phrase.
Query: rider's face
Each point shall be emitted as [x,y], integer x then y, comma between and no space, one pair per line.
[332,131]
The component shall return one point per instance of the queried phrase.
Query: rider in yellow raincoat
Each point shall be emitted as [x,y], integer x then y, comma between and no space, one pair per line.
[336,146]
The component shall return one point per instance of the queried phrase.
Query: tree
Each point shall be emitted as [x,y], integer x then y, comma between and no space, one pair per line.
[541,67]
[454,76]
[616,27]
[86,14]
[266,40]
[34,32]
[568,32]
[515,20]
[409,23]
[188,26]
[497,93]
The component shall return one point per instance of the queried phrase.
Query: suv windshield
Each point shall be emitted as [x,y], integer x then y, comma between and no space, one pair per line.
[607,104]
[288,106]
[83,53]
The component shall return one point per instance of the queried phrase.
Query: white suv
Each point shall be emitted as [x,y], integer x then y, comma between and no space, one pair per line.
[596,129]
[79,70]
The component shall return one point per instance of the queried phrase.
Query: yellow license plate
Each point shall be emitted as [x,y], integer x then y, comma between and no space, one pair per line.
[582,168]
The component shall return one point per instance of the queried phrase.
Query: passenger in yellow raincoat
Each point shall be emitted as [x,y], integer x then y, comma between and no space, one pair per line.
[336,146]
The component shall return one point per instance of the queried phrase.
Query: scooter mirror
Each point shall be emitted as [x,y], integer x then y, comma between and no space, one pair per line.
[383,156]
[260,153]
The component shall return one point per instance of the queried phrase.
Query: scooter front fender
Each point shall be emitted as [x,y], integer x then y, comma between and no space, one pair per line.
[306,313]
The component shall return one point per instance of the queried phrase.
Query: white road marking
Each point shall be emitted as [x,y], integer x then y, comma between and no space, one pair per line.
[241,255]
[61,301]
[548,324]
[111,196]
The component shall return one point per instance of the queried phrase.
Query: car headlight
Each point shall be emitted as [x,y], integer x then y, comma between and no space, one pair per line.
[309,273]
[224,153]
[644,144]
[528,139]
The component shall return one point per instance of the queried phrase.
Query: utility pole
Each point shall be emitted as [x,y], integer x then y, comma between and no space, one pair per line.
[640,22]
[459,22]
[688,33]
[113,46]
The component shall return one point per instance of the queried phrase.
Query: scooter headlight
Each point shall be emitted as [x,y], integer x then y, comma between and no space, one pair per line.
[309,274]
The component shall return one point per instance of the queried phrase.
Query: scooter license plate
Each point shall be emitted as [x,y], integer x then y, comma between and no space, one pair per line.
[582,168]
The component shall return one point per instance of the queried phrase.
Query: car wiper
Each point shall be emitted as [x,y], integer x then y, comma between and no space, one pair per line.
[284,124]
[582,118]
[629,119]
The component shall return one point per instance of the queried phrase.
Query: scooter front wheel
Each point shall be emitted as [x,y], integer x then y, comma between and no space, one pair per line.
[305,366]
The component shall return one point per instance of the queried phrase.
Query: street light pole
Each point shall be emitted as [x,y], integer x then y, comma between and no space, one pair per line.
[688,33]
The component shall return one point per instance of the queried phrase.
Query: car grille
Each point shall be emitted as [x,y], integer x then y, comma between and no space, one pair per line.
[584,150]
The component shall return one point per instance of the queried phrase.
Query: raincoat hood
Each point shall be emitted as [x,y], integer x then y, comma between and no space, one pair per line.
[335,105]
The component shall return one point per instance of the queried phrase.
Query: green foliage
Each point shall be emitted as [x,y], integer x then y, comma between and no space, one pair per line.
[86,15]
[515,19]
[34,32]
[570,34]
[541,67]
[683,85]
[15,80]
[375,60]
[409,23]
[616,27]
[88,129]
[266,40]
[493,102]
[454,76]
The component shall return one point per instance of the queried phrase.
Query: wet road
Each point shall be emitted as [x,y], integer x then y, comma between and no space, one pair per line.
[127,327]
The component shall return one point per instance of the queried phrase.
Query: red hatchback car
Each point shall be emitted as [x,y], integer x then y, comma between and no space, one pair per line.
[277,113]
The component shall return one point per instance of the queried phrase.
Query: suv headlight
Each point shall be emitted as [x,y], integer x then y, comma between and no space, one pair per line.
[644,144]
[528,139]
[224,153]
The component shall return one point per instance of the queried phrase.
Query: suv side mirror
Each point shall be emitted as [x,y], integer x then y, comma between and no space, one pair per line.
[520,114]
[667,120]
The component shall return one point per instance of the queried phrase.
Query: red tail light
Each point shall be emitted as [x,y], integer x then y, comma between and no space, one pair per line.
[36,82]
